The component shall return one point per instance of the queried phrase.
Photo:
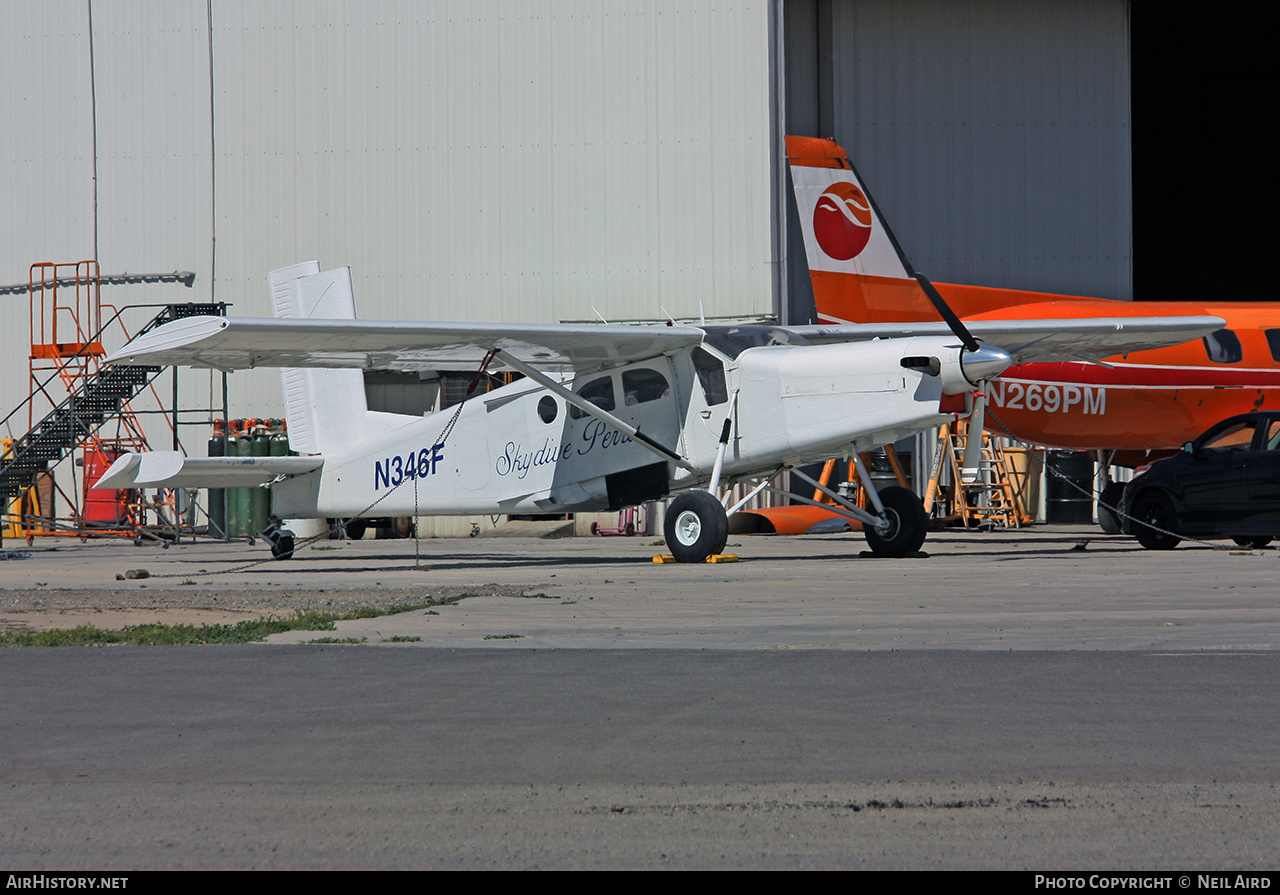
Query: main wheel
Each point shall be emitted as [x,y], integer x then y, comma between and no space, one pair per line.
[908,524]
[1255,543]
[282,548]
[402,526]
[1154,522]
[1108,505]
[696,527]
[356,528]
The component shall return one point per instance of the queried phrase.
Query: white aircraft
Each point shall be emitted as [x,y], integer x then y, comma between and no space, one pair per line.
[607,416]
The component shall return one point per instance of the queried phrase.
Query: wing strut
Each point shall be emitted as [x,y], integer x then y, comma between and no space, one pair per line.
[603,415]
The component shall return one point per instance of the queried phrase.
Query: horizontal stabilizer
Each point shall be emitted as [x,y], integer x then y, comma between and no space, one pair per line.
[1041,341]
[170,469]
[241,343]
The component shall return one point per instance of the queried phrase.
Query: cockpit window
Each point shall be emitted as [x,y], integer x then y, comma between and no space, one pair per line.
[599,392]
[733,340]
[711,375]
[1273,342]
[642,386]
[1224,347]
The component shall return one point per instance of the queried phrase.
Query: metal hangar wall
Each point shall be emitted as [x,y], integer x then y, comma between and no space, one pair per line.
[469,160]
[993,134]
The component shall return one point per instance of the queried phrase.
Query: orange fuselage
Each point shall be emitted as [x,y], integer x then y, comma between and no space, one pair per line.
[1149,400]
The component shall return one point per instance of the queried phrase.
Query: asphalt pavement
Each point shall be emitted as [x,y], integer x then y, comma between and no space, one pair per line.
[1050,698]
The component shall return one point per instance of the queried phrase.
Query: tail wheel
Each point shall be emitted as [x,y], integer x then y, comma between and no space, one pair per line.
[908,524]
[696,527]
[1154,522]
[282,547]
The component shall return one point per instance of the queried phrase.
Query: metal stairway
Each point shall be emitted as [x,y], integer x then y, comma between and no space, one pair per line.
[102,395]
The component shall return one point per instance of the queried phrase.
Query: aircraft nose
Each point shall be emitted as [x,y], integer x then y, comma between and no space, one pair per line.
[986,362]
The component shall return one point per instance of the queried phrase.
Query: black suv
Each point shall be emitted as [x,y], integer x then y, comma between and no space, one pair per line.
[1225,484]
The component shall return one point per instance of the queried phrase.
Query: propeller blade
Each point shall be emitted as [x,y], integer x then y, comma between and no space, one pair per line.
[944,310]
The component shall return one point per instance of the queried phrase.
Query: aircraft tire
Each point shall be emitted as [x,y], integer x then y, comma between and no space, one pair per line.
[356,527]
[1108,518]
[1150,512]
[282,548]
[696,527]
[910,524]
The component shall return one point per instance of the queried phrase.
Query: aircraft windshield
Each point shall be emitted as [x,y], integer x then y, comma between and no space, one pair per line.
[733,340]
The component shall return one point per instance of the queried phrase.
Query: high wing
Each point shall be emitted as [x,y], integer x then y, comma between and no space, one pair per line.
[1040,341]
[241,343]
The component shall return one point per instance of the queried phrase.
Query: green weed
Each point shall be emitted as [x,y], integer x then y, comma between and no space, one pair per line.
[248,631]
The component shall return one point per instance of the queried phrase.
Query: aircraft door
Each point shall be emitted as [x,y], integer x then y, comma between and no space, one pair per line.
[642,395]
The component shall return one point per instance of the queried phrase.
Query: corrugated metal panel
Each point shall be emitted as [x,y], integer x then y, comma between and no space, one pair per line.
[994,134]
[497,161]
[46,162]
[154,154]
[469,160]
[46,144]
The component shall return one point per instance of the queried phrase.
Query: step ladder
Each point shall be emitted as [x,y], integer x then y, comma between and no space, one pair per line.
[993,499]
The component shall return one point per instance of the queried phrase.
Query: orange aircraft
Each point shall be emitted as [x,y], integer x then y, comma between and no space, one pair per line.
[1143,402]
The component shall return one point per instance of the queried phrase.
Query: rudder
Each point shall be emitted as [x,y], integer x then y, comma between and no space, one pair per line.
[325,409]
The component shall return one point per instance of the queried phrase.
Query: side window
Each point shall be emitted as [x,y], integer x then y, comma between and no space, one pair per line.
[642,386]
[1273,437]
[1234,438]
[547,409]
[1223,347]
[599,392]
[1273,342]
[711,375]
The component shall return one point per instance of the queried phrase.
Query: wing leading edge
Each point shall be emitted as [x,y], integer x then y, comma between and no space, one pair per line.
[1041,341]
[241,343]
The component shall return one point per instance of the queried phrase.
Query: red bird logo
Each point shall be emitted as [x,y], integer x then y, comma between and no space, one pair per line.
[842,221]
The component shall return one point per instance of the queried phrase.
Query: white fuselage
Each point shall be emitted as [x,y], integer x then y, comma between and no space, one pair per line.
[522,449]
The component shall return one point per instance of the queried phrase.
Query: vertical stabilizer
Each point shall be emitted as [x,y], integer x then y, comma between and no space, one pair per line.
[859,273]
[325,409]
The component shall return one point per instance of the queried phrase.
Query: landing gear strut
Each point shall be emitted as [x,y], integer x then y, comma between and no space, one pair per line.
[896,523]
